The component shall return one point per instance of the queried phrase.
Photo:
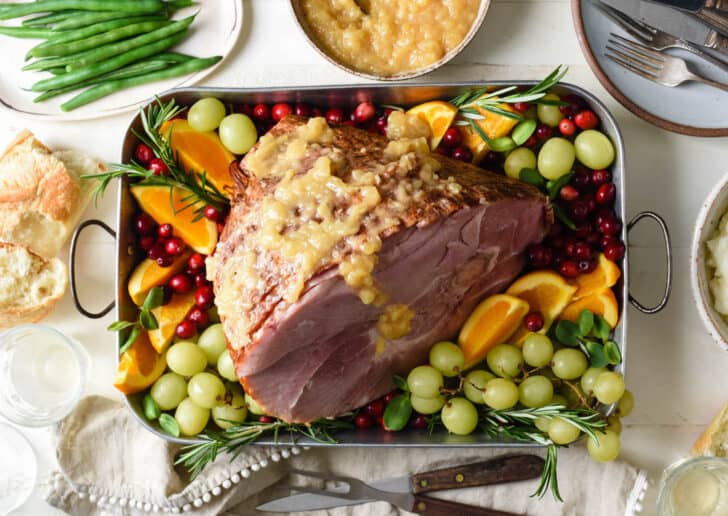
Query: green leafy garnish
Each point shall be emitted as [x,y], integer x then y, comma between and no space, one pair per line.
[554,187]
[532,177]
[150,408]
[169,425]
[146,319]
[398,412]
[591,334]
[523,131]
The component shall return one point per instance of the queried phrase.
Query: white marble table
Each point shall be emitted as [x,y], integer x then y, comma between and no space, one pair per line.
[674,368]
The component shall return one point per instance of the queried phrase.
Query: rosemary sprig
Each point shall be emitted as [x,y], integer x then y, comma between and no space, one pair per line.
[201,191]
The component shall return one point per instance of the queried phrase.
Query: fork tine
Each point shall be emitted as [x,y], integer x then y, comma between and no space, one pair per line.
[631,68]
[634,27]
[639,47]
[634,54]
[634,60]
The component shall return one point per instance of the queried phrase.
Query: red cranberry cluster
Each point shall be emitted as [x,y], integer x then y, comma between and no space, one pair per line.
[158,241]
[373,413]
[193,278]
[145,157]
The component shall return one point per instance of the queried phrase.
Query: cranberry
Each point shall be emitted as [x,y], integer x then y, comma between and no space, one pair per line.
[444,151]
[147,242]
[204,297]
[334,115]
[261,112]
[601,176]
[381,125]
[181,283]
[574,104]
[602,215]
[581,179]
[156,251]
[165,260]
[143,154]
[350,123]
[280,111]
[452,137]
[144,224]
[591,203]
[462,153]
[364,112]
[569,193]
[605,240]
[316,111]
[492,157]
[582,251]
[586,119]
[375,408]
[390,396]
[196,262]
[556,229]
[540,256]
[158,166]
[567,127]
[570,247]
[533,321]
[531,142]
[212,213]
[166,294]
[605,194]
[583,230]
[569,269]
[265,419]
[185,330]
[418,422]
[592,238]
[521,107]
[199,317]
[165,231]
[610,227]
[544,132]
[220,227]
[246,110]
[174,246]
[579,210]
[615,250]
[363,421]
[302,109]
[201,280]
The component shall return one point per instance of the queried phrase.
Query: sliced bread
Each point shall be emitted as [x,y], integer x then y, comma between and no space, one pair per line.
[714,441]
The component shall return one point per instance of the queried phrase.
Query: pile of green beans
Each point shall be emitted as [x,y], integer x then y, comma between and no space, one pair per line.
[102,45]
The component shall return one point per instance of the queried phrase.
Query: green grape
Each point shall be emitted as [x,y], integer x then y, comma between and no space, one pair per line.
[549,115]
[505,360]
[474,385]
[191,418]
[206,114]
[447,358]
[614,424]
[537,350]
[206,390]
[556,158]
[609,387]
[562,432]
[559,399]
[425,381]
[626,404]
[589,377]
[571,397]
[226,368]
[606,447]
[169,390]
[500,394]
[213,343]
[459,416]
[543,423]
[568,363]
[253,406]
[230,413]
[186,358]
[518,159]
[427,405]
[536,391]
[238,133]
[594,149]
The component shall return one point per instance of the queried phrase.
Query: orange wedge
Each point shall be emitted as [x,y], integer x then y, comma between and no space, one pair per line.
[439,116]
[168,317]
[201,152]
[603,303]
[148,275]
[200,235]
[139,367]
[493,125]
[604,276]
[492,322]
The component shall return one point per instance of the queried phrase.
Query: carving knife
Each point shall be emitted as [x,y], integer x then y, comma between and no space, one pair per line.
[706,11]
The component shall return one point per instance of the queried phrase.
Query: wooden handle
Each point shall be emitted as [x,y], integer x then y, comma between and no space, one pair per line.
[436,507]
[507,468]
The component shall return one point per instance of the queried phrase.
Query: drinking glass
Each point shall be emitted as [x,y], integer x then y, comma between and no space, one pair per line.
[694,487]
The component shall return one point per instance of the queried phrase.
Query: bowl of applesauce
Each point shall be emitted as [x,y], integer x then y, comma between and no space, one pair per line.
[389,39]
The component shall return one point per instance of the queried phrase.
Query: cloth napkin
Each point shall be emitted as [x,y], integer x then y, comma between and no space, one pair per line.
[111,465]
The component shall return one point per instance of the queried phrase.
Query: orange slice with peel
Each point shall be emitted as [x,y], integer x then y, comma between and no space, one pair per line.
[493,125]
[175,209]
[139,366]
[492,322]
[603,303]
[168,317]
[200,152]
[439,115]
[605,275]
[148,275]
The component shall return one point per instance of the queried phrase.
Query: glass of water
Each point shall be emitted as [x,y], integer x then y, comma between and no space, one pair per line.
[694,487]
[42,374]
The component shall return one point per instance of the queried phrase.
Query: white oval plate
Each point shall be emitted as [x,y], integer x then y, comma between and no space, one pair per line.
[214,32]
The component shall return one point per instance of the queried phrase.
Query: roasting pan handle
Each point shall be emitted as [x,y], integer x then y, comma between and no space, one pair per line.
[668,260]
[72,260]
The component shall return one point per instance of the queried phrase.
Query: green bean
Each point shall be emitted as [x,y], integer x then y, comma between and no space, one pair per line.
[74,47]
[90,19]
[59,70]
[108,65]
[108,88]
[127,6]
[47,19]
[172,57]
[26,32]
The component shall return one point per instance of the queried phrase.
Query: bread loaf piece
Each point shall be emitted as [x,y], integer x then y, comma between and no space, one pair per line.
[41,194]
[714,440]
[30,285]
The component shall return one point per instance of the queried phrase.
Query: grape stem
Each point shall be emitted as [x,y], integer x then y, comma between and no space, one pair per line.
[577,391]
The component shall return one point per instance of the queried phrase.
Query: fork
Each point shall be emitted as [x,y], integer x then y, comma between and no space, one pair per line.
[652,65]
[653,37]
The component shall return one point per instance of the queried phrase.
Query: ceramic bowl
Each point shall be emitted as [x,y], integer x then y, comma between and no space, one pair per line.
[713,209]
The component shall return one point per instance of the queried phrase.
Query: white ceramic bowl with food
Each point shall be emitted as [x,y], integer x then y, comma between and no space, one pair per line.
[706,227]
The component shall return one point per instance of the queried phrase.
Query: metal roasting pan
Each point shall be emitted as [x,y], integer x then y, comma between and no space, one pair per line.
[348,96]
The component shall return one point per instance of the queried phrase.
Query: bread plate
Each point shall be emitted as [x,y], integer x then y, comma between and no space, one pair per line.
[406,95]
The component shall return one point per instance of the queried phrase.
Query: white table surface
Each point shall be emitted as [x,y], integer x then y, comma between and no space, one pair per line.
[675,370]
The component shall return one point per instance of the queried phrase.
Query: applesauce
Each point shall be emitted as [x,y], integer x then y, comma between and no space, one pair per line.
[389,37]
